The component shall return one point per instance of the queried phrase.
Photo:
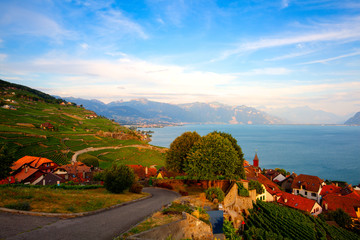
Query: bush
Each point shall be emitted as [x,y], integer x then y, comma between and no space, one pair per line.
[99,176]
[118,178]
[215,192]
[183,193]
[25,206]
[256,185]
[177,208]
[242,191]
[136,188]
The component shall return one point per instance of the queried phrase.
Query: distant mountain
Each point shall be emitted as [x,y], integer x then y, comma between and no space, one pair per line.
[145,111]
[355,120]
[306,115]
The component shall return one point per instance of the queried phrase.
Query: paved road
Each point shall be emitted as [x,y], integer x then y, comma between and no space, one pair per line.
[104,225]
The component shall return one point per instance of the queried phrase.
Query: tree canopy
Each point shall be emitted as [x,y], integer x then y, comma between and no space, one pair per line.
[211,156]
[240,166]
[6,160]
[177,154]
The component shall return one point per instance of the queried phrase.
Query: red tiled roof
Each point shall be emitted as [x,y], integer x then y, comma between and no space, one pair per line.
[296,201]
[329,189]
[34,162]
[308,182]
[347,203]
[77,167]
[270,186]
[24,174]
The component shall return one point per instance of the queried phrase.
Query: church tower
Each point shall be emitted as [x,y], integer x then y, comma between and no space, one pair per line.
[256,161]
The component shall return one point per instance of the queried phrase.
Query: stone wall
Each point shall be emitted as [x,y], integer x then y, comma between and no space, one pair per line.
[188,228]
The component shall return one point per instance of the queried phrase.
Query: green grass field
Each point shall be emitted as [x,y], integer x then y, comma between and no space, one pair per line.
[128,156]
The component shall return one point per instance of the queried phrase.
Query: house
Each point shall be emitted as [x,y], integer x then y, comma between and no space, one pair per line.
[271,188]
[40,163]
[76,171]
[48,179]
[27,174]
[300,203]
[308,186]
[330,189]
[350,203]
[47,126]
[287,182]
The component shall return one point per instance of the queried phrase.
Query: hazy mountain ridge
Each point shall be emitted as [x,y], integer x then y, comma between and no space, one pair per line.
[355,120]
[146,111]
[306,115]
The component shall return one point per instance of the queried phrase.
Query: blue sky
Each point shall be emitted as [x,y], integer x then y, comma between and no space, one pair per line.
[260,53]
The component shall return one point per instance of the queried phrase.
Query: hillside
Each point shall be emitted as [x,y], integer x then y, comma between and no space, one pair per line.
[145,111]
[355,120]
[35,123]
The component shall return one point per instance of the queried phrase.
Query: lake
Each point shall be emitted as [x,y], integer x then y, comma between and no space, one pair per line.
[329,152]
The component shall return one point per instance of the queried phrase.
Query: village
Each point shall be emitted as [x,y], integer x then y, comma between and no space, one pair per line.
[306,193]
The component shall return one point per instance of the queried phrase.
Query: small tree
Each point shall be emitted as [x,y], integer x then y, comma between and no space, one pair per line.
[6,160]
[118,178]
[177,154]
[340,217]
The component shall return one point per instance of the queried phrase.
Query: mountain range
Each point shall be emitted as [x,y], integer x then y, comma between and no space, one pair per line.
[355,120]
[145,111]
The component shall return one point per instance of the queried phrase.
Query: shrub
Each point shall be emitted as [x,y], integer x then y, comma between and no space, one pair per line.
[99,176]
[215,192]
[136,188]
[118,178]
[242,191]
[256,185]
[25,206]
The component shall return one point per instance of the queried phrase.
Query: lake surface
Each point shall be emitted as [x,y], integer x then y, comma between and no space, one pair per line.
[329,152]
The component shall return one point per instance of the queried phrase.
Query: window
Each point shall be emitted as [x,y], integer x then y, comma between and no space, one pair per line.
[306,193]
[313,194]
[297,191]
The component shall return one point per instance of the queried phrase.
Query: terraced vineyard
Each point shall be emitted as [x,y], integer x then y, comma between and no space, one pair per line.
[270,221]
[72,129]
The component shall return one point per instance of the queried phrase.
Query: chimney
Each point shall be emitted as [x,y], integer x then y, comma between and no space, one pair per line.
[326,206]
[146,170]
[26,169]
[285,200]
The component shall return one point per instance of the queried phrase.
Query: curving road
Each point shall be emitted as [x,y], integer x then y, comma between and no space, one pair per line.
[104,225]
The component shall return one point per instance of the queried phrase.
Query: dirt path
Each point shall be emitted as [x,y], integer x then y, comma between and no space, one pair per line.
[92,149]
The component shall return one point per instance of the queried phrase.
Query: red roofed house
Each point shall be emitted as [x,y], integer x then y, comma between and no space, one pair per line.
[43,164]
[308,186]
[300,203]
[329,189]
[349,203]
[28,174]
[77,172]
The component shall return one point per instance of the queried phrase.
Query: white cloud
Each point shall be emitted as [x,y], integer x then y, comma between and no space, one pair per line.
[84,46]
[356,53]
[115,23]
[345,31]
[285,3]
[265,71]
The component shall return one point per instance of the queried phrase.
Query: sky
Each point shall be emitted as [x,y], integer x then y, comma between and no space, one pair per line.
[260,53]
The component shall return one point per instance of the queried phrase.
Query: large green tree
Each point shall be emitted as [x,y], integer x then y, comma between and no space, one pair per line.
[240,166]
[177,154]
[6,160]
[211,156]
